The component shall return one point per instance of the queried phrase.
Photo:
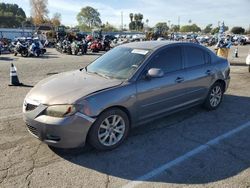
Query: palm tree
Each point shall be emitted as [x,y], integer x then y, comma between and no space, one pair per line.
[136,18]
[140,17]
[131,15]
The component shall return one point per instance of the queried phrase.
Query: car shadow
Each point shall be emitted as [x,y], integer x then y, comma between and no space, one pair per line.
[7,59]
[161,141]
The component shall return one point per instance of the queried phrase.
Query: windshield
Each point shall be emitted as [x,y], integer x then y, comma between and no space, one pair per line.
[119,63]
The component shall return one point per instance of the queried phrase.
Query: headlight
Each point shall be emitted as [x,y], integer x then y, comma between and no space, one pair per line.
[60,110]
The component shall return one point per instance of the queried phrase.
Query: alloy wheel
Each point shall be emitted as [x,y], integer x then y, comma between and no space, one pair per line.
[215,96]
[111,130]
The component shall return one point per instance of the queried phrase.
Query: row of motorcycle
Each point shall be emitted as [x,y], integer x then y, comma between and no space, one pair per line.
[77,47]
[27,48]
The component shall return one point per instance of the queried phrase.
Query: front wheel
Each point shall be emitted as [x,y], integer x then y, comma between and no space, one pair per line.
[24,53]
[214,96]
[109,130]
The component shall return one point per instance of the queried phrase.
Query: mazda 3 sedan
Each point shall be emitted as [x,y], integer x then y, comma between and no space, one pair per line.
[128,86]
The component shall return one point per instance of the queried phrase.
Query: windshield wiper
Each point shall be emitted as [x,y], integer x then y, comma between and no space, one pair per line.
[102,75]
[83,68]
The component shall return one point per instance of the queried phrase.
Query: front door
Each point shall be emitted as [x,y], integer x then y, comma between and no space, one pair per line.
[158,95]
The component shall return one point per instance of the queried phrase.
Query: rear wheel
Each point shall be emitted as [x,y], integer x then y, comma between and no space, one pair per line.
[248,68]
[214,97]
[109,130]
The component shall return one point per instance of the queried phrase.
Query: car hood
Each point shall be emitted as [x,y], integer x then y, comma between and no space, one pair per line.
[68,87]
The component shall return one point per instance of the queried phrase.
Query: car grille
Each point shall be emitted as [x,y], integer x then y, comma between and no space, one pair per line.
[30,107]
[33,130]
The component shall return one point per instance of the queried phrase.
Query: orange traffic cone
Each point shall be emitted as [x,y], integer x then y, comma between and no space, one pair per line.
[14,81]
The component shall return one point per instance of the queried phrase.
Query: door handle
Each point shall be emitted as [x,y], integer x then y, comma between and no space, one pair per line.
[179,79]
[208,72]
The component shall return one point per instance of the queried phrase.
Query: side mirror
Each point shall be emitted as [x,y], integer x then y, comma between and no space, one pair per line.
[155,73]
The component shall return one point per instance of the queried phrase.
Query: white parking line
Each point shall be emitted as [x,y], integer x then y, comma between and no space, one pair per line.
[9,116]
[184,157]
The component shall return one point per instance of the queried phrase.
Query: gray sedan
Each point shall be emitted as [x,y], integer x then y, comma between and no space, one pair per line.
[128,86]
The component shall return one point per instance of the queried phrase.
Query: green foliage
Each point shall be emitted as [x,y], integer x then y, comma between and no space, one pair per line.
[161,27]
[89,16]
[136,21]
[216,30]
[85,28]
[175,28]
[11,15]
[190,28]
[208,28]
[108,27]
[238,30]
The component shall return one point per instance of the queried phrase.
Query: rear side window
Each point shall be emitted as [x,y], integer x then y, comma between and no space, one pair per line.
[168,60]
[195,56]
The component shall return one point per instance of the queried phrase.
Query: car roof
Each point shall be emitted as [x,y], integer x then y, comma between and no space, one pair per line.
[154,45]
[150,45]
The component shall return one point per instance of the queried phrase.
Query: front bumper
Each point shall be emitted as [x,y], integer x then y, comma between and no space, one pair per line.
[67,132]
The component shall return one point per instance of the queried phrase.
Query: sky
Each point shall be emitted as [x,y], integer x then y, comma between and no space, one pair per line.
[201,12]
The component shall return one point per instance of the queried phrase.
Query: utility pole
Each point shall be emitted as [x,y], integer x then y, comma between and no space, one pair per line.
[122,21]
[179,21]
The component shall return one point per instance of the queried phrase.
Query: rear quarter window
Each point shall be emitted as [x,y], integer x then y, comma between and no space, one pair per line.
[196,56]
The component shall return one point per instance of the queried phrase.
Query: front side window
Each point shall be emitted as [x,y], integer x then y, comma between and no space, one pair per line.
[168,60]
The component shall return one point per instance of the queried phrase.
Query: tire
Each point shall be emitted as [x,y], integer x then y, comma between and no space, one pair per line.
[103,131]
[248,68]
[24,53]
[214,97]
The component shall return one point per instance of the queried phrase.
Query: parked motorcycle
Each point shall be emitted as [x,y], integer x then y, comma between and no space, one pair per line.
[76,47]
[95,46]
[106,45]
[21,49]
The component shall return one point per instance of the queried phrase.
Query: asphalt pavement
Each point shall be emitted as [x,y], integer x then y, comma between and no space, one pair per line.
[191,148]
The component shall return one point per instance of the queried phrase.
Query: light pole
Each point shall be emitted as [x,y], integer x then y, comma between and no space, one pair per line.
[122,21]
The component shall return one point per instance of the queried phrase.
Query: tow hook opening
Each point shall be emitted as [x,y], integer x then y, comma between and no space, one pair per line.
[52,138]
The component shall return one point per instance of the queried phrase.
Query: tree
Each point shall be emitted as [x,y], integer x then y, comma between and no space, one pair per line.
[11,15]
[175,28]
[190,28]
[56,19]
[89,16]
[161,28]
[39,11]
[132,25]
[131,16]
[108,27]
[208,28]
[136,21]
[28,22]
[216,30]
[238,30]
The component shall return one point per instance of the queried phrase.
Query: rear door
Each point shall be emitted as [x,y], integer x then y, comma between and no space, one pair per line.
[199,72]
[157,95]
